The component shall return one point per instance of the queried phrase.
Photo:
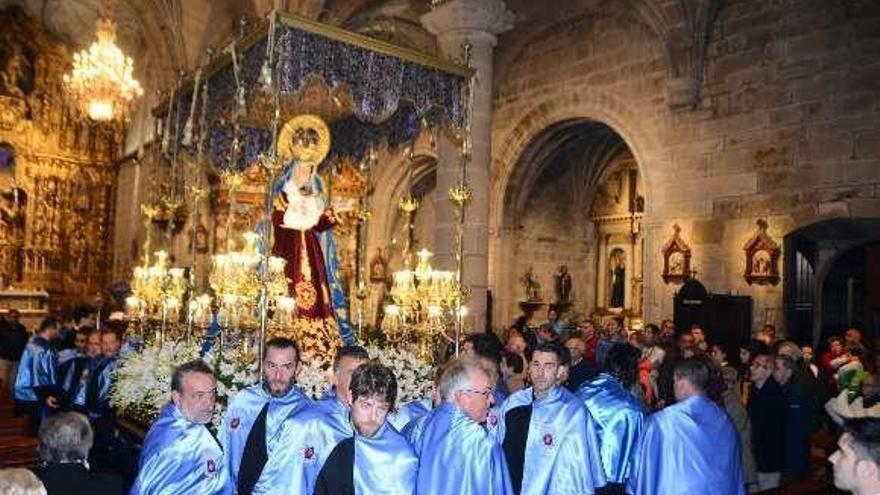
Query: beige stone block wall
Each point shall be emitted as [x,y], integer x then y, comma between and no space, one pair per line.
[788,129]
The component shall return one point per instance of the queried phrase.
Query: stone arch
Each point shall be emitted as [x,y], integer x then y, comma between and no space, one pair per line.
[578,106]
[823,241]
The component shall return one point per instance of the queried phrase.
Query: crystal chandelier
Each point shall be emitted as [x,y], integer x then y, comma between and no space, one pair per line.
[101,83]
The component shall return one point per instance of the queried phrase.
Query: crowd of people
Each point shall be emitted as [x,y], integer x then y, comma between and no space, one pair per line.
[551,410]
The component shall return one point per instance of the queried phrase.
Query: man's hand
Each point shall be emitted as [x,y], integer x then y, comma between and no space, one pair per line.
[52,402]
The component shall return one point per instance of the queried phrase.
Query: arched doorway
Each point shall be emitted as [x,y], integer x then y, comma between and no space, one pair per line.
[574,203]
[832,279]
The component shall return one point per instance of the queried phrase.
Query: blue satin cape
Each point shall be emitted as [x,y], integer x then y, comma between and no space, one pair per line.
[384,464]
[104,381]
[331,260]
[562,455]
[237,424]
[410,411]
[36,370]
[457,456]
[619,419]
[689,448]
[179,457]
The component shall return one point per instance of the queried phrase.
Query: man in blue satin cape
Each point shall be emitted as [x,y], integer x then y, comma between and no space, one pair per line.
[338,401]
[376,459]
[180,455]
[548,435]
[457,455]
[251,428]
[690,447]
[416,409]
[97,404]
[35,389]
[618,414]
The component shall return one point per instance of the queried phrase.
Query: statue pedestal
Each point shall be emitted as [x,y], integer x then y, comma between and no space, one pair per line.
[530,307]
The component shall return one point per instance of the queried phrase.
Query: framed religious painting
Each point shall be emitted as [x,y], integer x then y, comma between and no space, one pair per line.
[676,258]
[762,257]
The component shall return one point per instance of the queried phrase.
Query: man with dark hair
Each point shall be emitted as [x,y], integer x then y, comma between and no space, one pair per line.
[65,441]
[618,414]
[180,455]
[13,339]
[338,400]
[547,434]
[857,458]
[35,384]
[250,430]
[75,377]
[377,459]
[694,429]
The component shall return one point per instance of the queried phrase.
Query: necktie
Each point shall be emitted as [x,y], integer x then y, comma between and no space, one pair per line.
[254,456]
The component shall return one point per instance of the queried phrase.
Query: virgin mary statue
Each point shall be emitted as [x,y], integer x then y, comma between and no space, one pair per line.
[303,232]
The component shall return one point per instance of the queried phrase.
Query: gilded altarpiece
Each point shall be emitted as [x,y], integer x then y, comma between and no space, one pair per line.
[57,172]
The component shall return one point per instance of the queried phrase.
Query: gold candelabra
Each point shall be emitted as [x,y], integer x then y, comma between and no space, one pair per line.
[157,292]
[237,280]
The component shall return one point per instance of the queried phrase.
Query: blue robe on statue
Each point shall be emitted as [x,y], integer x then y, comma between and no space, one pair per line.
[561,452]
[689,448]
[179,457]
[410,411]
[238,421]
[457,456]
[36,371]
[619,418]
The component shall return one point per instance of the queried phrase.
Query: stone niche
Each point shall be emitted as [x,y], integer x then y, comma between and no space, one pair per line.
[616,211]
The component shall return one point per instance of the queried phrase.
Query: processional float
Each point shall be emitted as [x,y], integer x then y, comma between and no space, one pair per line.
[239,111]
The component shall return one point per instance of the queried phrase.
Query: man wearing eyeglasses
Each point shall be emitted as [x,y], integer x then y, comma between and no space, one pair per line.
[251,429]
[547,433]
[180,455]
[457,455]
[376,459]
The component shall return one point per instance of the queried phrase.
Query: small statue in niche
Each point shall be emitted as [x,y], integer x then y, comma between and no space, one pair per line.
[531,286]
[378,266]
[618,275]
[563,285]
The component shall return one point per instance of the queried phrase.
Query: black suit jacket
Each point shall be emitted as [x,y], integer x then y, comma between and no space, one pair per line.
[74,479]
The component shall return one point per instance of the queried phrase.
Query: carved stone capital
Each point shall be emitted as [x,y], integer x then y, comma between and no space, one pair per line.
[472,19]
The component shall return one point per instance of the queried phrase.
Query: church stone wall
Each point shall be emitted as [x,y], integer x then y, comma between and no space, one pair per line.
[787,130]
[551,234]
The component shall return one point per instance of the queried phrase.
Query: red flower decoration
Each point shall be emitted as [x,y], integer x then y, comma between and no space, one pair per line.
[309,453]
[548,439]
[234,423]
[493,420]
[211,466]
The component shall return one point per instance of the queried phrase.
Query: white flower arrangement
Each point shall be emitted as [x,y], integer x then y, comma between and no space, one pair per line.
[143,379]
[415,377]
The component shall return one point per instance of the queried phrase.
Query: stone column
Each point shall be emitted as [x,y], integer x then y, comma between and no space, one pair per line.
[456,22]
